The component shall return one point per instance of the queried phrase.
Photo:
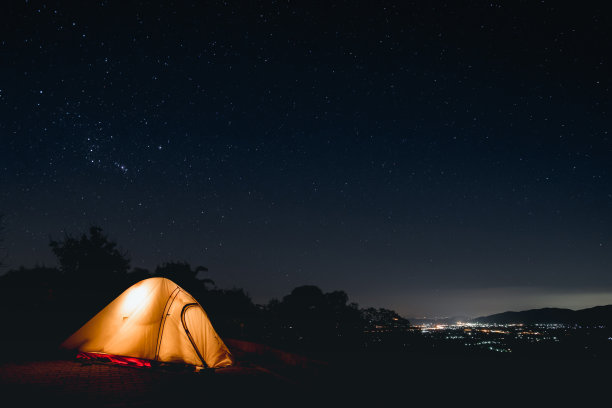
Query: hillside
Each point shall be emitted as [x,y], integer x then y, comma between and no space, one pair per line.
[598,315]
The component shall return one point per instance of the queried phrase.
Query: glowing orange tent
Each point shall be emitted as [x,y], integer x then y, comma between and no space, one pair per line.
[153,320]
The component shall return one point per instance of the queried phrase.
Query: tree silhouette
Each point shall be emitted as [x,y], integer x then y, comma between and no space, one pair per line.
[311,319]
[232,312]
[39,281]
[91,258]
[384,319]
[136,275]
[183,275]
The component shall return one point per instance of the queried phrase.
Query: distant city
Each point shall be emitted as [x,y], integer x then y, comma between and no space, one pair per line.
[518,340]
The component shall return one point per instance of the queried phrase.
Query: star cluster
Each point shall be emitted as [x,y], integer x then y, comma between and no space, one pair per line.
[388,149]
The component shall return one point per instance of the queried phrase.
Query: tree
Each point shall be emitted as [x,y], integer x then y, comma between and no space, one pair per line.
[233,313]
[136,275]
[307,318]
[183,275]
[384,319]
[91,258]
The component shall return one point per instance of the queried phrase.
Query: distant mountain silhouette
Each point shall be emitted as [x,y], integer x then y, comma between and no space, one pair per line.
[592,316]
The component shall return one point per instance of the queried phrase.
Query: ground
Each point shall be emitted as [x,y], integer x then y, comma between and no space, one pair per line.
[65,381]
[53,378]
[378,381]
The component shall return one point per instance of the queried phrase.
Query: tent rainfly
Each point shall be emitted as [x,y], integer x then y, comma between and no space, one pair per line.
[153,320]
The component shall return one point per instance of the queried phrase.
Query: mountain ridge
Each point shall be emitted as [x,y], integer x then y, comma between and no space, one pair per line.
[590,316]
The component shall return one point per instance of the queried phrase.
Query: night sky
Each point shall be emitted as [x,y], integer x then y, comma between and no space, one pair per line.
[436,158]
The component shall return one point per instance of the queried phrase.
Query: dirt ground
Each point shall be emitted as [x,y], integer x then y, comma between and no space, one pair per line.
[66,382]
[42,382]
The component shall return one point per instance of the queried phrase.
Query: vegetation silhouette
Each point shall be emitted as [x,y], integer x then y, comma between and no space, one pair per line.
[91,259]
[183,275]
[309,320]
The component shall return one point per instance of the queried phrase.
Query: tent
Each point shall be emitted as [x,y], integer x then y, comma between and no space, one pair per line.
[153,320]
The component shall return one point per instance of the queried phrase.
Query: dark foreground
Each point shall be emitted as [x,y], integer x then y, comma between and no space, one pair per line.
[349,379]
